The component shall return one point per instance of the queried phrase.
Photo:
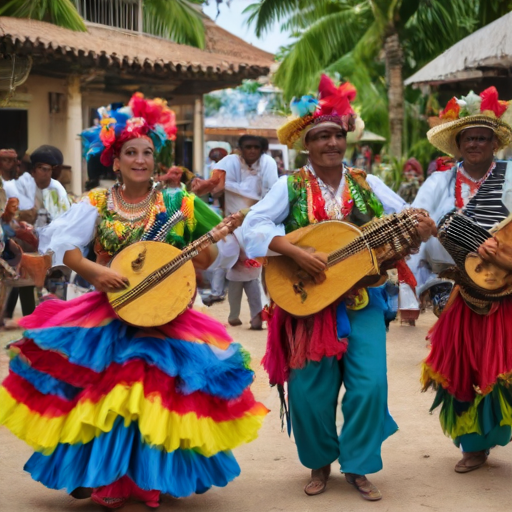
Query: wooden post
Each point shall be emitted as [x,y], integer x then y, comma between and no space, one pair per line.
[73,148]
[198,142]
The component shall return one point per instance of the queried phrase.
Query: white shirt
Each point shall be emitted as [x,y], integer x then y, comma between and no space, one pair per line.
[265,220]
[54,198]
[246,185]
[76,228]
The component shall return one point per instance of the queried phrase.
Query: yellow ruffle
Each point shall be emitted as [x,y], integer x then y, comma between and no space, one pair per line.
[158,425]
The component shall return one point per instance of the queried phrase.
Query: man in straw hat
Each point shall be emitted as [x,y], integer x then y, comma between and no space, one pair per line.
[470,361]
[315,354]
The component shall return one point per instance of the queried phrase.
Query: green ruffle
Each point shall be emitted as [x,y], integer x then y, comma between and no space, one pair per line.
[477,417]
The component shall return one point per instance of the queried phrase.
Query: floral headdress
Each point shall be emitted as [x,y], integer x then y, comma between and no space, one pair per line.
[482,110]
[150,118]
[332,108]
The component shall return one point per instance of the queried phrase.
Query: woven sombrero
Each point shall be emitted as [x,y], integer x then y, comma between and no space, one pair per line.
[331,109]
[472,111]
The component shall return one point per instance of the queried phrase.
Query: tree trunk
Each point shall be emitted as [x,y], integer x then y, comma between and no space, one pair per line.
[394,62]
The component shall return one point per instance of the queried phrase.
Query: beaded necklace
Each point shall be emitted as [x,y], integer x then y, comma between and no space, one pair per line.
[132,212]
[123,223]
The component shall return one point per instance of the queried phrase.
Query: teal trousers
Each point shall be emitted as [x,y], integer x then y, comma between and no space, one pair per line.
[313,399]
[499,435]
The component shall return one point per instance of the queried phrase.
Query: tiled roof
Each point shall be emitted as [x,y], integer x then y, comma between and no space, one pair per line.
[106,47]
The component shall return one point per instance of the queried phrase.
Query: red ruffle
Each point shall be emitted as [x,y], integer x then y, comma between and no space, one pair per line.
[294,341]
[470,350]
[155,382]
[55,364]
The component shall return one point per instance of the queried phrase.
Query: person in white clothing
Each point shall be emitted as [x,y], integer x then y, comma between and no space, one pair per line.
[42,199]
[245,180]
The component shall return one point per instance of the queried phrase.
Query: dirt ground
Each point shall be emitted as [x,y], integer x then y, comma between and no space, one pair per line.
[418,460]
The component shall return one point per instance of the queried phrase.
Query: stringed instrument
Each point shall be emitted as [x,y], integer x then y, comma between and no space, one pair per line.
[461,237]
[162,279]
[352,253]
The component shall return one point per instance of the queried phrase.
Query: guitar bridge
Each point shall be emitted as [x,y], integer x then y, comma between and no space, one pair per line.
[299,288]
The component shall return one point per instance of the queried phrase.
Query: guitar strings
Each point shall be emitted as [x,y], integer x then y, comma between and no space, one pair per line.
[156,276]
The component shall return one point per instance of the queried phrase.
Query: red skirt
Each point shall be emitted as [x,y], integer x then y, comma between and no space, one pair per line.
[469,352]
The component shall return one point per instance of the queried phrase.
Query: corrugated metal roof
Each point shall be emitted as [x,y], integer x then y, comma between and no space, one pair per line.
[489,47]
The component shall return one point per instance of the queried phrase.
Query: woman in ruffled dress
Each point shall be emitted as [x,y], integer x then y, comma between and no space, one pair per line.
[113,411]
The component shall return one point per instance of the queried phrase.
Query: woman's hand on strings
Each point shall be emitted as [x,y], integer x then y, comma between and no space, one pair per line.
[108,280]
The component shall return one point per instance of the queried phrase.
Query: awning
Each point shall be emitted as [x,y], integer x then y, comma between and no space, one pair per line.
[486,52]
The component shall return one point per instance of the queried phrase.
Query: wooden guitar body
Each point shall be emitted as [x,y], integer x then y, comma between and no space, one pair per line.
[165,300]
[298,294]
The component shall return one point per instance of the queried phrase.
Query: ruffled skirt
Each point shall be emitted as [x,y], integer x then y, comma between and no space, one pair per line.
[470,367]
[101,401]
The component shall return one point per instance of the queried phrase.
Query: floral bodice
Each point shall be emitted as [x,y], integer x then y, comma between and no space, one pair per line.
[116,231]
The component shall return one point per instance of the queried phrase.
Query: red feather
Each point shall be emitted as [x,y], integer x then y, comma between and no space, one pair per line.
[490,102]
[335,100]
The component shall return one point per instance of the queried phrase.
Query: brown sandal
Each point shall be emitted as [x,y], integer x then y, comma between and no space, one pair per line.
[478,458]
[367,490]
[318,481]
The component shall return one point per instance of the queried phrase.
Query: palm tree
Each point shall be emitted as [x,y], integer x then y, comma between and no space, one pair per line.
[355,36]
[177,20]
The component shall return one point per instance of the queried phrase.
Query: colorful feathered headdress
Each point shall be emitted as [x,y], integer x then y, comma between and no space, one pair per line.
[482,110]
[332,108]
[118,124]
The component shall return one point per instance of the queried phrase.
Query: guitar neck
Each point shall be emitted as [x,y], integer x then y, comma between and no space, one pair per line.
[396,229]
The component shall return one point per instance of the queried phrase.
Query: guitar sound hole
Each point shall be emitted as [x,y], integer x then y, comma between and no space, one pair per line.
[138,263]
[299,289]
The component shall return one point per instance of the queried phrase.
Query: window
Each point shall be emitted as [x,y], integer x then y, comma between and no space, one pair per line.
[125,14]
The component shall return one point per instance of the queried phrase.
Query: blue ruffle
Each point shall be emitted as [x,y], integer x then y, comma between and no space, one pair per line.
[121,452]
[44,383]
[199,366]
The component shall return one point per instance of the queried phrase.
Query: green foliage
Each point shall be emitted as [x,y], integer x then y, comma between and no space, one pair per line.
[212,104]
[176,20]
[59,12]
[390,172]
[347,37]
[424,152]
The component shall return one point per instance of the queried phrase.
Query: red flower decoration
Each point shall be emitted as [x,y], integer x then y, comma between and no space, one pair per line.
[451,111]
[490,102]
[252,264]
[335,100]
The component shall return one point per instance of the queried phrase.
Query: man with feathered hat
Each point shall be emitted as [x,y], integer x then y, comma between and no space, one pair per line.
[470,360]
[315,354]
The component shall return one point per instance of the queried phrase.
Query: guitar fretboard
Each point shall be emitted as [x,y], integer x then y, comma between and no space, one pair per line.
[397,229]
[164,271]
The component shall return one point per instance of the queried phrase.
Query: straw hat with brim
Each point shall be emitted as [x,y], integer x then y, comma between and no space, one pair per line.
[443,136]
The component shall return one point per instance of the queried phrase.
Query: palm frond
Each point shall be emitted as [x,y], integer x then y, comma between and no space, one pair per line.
[58,12]
[371,101]
[307,15]
[265,13]
[323,42]
[449,21]
[176,20]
